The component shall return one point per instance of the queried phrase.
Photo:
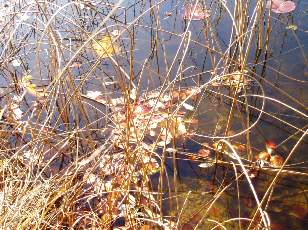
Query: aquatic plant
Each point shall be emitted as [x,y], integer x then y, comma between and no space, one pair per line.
[280,6]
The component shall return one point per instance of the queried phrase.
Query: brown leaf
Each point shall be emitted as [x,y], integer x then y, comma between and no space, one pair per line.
[276,161]
[203,152]
[299,212]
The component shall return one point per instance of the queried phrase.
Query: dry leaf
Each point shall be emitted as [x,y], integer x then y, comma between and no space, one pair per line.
[93,94]
[188,106]
[199,13]
[16,63]
[204,152]
[205,165]
[106,47]
[31,88]
[280,6]
[276,161]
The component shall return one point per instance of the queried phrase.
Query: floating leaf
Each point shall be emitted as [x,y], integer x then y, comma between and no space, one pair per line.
[171,150]
[26,79]
[106,47]
[106,83]
[93,94]
[192,121]
[270,146]
[203,152]
[291,27]
[91,179]
[75,65]
[263,156]
[188,106]
[32,88]
[236,80]
[133,94]
[181,128]
[18,98]
[115,33]
[17,112]
[205,165]
[175,127]
[168,13]
[280,6]
[199,13]
[16,63]
[276,161]
[252,173]
[152,133]
[2,112]
[239,147]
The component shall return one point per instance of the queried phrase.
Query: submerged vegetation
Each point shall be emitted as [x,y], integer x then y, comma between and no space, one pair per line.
[153,114]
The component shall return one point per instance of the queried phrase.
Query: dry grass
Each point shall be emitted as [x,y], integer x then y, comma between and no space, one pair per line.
[92,113]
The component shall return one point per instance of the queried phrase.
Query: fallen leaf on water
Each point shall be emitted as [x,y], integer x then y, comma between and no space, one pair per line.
[252,173]
[203,152]
[2,112]
[291,27]
[106,47]
[17,112]
[299,212]
[106,83]
[239,147]
[217,146]
[270,146]
[199,13]
[263,156]
[94,94]
[236,80]
[133,94]
[192,121]
[152,133]
[115,33]
[75,65]
[16,63]
[171,150]
[276,161]
[168,13]
[175,127]
[205,165]
[280,6]
[188,106]
[27,78]
[32,88]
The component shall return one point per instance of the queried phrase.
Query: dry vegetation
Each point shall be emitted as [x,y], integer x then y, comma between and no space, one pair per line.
[98,99]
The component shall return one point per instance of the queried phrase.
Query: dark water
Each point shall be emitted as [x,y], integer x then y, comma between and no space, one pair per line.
[282,72]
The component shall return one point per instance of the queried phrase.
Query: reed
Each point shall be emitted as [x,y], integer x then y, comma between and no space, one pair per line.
[96,119]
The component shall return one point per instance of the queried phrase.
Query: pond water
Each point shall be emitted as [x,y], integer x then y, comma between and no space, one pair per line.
[159,49]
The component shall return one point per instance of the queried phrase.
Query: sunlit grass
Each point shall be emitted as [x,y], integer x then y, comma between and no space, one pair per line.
[100,102]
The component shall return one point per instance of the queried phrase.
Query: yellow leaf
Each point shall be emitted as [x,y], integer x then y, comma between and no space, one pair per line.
[30,87]
[106,47]
[175,127]
[26,78]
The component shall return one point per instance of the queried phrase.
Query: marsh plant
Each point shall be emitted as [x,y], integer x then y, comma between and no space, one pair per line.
[105,105]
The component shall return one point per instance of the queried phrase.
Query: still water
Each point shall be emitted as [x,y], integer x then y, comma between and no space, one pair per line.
[168,49]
